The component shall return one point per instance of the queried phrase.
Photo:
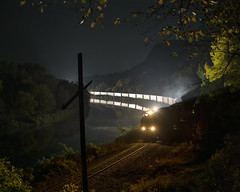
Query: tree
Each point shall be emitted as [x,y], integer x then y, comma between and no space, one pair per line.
[225,56]
[191,20]
[197,22]
[89,9]
[45,99]
[25,104]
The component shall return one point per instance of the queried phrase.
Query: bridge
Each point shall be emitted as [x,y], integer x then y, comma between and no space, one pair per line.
[156,98]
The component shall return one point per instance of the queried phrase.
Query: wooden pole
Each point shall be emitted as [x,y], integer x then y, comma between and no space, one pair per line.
[82,125]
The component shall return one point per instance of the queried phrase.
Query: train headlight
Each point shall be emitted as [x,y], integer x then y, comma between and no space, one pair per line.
[153,128]
[150,112]
[143,128]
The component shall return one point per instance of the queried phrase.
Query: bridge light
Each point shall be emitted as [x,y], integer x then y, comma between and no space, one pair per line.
[153,128]
[143,128]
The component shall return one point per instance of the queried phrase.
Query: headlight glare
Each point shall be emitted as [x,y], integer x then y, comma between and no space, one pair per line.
[153,128]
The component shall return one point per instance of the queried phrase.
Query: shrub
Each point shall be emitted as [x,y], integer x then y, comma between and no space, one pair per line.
[130,136]
[223,171]
[65,162]
[11,178]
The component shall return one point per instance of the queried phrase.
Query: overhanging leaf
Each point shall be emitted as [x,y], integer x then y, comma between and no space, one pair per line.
[41,9]
[194,18]
[160,2]
[22,3]
[146,40]
[174,54]
[167,43]
[92,24]
[190,39]
[89,12]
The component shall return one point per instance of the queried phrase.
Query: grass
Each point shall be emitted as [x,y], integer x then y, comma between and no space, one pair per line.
[180,171]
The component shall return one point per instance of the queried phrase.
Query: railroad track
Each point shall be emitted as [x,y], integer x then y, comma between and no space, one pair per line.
[94,170]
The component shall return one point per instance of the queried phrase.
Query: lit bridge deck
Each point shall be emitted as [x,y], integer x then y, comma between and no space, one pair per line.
[160,99]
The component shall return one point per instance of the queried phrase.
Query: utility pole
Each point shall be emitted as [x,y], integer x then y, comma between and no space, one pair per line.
[82,121]
[82,125]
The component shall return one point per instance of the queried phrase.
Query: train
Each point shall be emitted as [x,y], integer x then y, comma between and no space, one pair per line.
[169,125]
[149,128]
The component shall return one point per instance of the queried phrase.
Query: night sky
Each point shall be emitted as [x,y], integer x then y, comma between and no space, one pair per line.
[54,38]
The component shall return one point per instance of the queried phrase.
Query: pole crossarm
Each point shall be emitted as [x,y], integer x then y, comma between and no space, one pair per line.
[74,97]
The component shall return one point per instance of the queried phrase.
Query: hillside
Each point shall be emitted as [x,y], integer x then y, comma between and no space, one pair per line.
[160,73]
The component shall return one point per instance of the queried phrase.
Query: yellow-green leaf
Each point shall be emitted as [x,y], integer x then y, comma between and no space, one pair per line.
[196,37]
[134,15]
[201,33]
[99,8]
[161,33]
[89,12]
[167,43]
[230,30]
[117,21]
[22,3]
[146,40]
[205,2]
[190,39]
[101,15]
[174,54]
[160,2]
[103,1]
[84,1]
[41,9]
[93,24]
[182,9]
[194,18]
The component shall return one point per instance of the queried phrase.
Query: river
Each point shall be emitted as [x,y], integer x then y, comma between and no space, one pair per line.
[24,149]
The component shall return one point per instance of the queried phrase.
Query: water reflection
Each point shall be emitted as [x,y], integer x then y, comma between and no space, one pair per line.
[26,147]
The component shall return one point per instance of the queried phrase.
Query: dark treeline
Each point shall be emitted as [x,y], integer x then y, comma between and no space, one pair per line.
[30,98]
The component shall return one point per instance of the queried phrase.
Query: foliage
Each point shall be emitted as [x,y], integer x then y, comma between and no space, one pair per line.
[191,20]
[222,172]
[172,172]
[63,163]
[129,136]
[68,162]
[11,178]
[70,188]
[88,10]
[94,151]
[225,58]
[29,98]
[45,98]
[178,173]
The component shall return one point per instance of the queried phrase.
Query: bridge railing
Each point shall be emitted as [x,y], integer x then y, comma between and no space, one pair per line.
[119,104]
[157,98]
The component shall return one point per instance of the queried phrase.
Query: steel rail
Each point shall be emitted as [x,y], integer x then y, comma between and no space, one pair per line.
[118,161]
[74,177]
